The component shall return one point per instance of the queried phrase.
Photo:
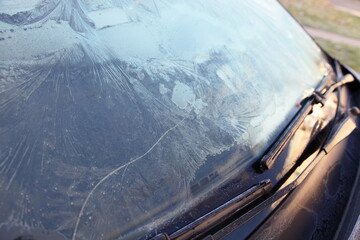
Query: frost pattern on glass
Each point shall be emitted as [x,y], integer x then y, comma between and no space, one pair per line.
[110,109]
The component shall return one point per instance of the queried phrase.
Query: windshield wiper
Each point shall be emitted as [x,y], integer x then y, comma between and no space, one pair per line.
[268,160]
[210,220]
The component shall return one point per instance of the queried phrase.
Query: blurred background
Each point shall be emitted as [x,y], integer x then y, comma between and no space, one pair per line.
[335,25]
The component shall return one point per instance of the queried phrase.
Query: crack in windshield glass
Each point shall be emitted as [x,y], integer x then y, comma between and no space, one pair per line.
[117,170]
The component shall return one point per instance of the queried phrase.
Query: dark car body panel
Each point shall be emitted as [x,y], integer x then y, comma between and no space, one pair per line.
[316,208]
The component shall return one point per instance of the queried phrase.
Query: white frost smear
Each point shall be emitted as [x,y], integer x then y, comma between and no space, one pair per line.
[14,6]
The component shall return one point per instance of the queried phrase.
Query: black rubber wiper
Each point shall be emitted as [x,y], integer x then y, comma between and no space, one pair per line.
[268,160]
[210,220]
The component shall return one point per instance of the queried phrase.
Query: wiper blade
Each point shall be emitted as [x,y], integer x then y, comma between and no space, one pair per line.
[268,160]
[339,132]
[221,213]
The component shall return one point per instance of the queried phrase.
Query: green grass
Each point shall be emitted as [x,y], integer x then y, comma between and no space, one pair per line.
[346,54]
[323,15]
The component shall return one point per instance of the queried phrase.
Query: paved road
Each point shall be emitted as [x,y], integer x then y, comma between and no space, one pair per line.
[333,37]
[350,6]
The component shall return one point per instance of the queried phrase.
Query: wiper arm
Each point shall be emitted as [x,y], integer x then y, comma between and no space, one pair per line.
[268,160]
[339,132]
[344,129]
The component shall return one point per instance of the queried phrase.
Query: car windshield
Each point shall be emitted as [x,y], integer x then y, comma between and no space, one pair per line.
[118,115]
